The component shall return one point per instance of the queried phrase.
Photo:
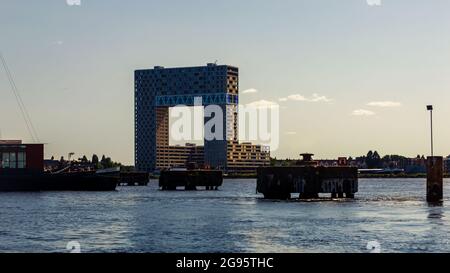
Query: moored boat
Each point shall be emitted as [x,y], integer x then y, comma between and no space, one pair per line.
[21,169]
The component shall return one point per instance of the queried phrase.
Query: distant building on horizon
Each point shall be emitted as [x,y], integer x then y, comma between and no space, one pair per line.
[158,89]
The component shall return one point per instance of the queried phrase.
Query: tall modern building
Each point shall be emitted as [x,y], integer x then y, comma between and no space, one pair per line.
[158,89]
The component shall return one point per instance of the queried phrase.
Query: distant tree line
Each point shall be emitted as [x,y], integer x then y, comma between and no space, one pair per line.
[103,163]
[372,160]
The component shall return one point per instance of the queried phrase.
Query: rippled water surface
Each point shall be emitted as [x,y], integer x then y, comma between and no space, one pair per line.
[233,219]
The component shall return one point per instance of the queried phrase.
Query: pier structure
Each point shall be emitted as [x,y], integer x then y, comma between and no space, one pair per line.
[308,180]
[170,180]
[134,178]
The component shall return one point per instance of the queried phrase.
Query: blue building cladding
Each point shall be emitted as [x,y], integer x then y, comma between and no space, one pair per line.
[207,99]
[168,87]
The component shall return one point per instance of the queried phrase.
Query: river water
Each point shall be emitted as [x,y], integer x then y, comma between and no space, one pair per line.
[390,214]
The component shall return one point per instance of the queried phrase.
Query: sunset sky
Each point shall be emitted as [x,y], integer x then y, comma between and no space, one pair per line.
[348,76]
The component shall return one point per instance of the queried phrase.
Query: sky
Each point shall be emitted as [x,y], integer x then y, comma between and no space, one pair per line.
[349,75]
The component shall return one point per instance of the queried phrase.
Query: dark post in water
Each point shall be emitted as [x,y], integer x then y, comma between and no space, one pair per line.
[435,179]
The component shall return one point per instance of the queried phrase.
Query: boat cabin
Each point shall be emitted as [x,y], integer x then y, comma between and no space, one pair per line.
[17,157]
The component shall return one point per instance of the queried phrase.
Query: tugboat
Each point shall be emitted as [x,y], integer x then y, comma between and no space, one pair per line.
[22,169]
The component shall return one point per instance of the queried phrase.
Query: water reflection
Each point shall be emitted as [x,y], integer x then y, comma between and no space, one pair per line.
[233,219]
[436,211]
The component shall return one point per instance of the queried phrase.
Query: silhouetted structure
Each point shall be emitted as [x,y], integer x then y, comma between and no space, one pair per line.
[308,179]
[190,179]
[22,169]
[435,182]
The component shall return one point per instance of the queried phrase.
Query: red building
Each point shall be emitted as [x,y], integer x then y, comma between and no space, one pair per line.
[18,157]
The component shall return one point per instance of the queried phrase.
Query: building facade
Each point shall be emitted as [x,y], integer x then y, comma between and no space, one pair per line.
[158,89]
[179,156]
[18,157]
[246,157]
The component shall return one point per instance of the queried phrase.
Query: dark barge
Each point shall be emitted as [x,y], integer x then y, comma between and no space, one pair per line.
[190,179]
[70,181]
[134,178]
[308,180]
[22,169]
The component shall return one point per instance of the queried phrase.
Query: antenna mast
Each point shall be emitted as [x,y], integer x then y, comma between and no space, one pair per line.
[23,109]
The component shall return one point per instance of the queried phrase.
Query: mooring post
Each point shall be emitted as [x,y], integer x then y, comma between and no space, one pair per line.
[435,181]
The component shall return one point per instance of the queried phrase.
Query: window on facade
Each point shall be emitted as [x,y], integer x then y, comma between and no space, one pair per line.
[21,160]
[12,160]
[6,161]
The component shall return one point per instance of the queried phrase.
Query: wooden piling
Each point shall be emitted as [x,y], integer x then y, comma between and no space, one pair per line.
[435,181]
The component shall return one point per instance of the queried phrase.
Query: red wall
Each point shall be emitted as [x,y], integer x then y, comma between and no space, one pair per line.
[35,157]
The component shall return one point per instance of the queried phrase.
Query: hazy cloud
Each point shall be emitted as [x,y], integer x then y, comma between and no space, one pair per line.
[314,98]
[362,112]
[384,104]
[296,97]
[250,91]
[319,98]
[263,104]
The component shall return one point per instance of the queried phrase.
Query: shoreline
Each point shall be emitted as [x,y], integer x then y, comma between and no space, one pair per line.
[363,176]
